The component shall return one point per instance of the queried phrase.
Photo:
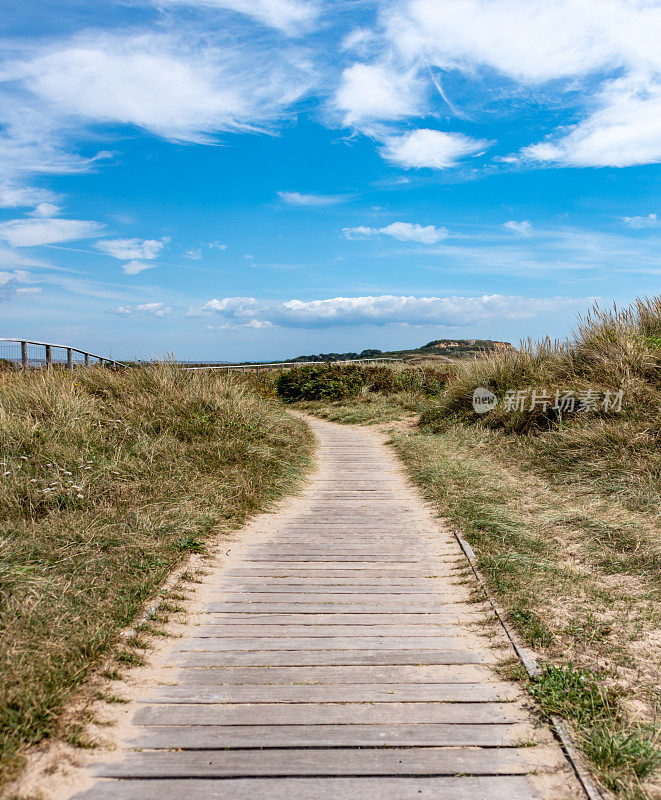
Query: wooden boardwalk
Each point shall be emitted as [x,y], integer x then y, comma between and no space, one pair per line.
[335,655]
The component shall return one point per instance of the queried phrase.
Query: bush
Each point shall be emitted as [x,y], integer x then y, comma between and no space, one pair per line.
[339,381]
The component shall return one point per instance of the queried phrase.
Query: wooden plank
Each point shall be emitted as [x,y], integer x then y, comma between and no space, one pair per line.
[255,628]
[341,693]
[328,713]
[329,588]
[340,761]
[232,737]
[320,658]
[462,614]
[439,674]
[513,787]
[210,642]
[275,606]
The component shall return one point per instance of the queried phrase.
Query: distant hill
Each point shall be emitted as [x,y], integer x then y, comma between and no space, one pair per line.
[441,349]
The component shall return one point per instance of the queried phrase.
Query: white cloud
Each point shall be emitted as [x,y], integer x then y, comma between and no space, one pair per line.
[19,275]
[15,196]
[298,199]
[134,267]
[624,131]
[132,248]
[377,92]
[524,228]
[430,148]
[217,246]
[385,310]
[32,232]
[194,253]
[288,16]
[404,231]
[532,41]
[180,88]
[232,306]
[155,309]
[10,284]
[650,221]
[45,210]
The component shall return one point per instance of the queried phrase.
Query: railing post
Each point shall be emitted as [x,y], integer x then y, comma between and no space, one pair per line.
[69,358]
[24,355]
[49,357]
[102,361]
[87,359]
[282,367]
[258,370]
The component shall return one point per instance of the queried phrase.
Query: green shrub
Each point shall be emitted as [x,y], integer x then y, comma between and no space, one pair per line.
[338,381]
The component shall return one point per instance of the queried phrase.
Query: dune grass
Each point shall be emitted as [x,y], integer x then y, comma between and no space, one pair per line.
[107,481]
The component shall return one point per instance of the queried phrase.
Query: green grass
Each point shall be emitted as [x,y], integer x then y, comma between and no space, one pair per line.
[107,482]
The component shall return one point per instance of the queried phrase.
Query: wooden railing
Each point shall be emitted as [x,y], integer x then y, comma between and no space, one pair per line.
[47,361]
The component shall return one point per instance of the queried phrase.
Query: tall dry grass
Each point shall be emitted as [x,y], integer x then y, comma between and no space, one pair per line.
[610,450]
[107,480]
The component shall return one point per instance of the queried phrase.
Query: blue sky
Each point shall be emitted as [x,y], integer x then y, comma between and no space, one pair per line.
[255,179]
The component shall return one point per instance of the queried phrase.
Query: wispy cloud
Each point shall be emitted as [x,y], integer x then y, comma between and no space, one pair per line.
[637,223]
[404,231]
[523,228]
[289,16]
[154,309]
[32,232]
[430,148]
[132,248]
[299,199]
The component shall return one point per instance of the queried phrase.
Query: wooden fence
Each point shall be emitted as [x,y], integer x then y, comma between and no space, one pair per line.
[71,356]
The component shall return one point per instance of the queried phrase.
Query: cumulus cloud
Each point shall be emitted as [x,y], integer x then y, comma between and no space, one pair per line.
[298,199]
[132,248]
[650,221]
[377,92]
[134,267]
[154,309]
[404,231]
[381,310]
[288,16]
[32,232]
[524,228]
[430,148]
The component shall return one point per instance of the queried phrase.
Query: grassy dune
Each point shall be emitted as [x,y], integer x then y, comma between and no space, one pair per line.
[563,511]
[107,481]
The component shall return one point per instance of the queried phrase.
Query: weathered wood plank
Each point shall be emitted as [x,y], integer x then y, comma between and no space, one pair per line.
[329,713]
[439,674]
[458,615]
[209,642]
[446,788]
[214,737]
[321,658]
[341,761]
[341,693]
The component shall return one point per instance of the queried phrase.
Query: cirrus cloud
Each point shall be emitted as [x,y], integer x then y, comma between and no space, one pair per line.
[430,148]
